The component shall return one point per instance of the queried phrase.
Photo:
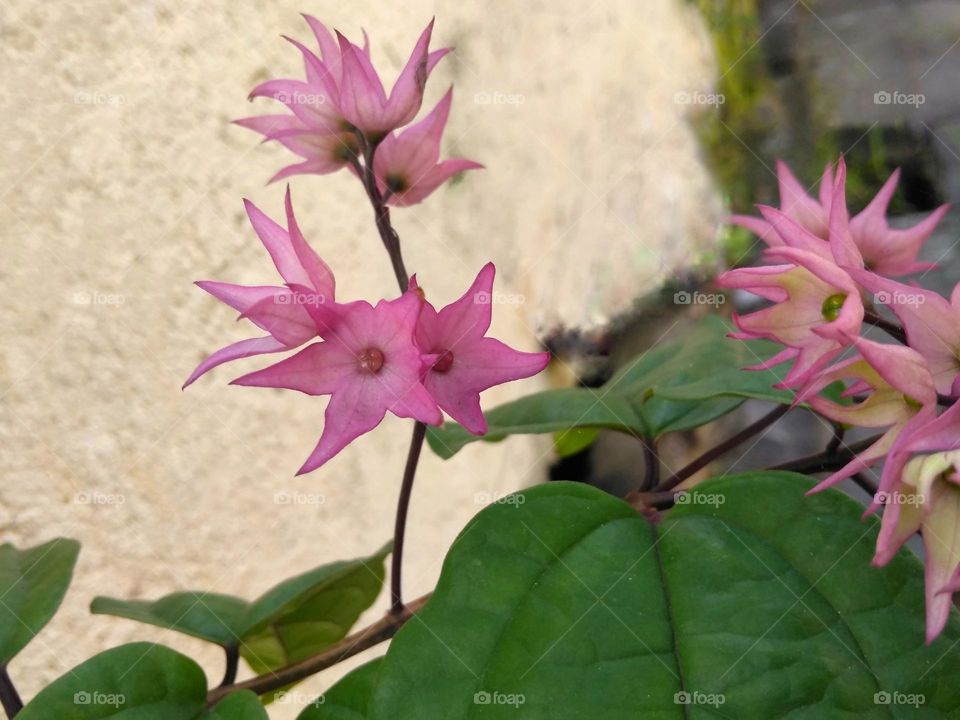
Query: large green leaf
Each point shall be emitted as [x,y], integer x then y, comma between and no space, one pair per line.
[303,615]
[140,681]
[217,618]
[676,385]
[289,622]
[349,699]
[32,585]
[749,600]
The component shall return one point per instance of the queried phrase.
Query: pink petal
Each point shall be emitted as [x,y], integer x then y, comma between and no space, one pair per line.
[318,369]
[242,349]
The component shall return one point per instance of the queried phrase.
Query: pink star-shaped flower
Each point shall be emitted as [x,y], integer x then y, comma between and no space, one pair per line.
[461,361]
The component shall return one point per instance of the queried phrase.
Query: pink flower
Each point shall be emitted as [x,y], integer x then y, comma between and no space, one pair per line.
[368,364]
[363,101]
[897,385]
[932,323]
[920,488]
[272,308]
[341,94]
[885,250]
[407,164]
[460,361]
[816,308]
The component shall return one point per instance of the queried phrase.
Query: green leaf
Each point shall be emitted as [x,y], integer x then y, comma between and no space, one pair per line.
[305,614]
[217,618]
[32,585]
[570,442]
[674,386]
[242,705]
[140,681]
[349,699]
[748,599]
[545,412]
[291,621]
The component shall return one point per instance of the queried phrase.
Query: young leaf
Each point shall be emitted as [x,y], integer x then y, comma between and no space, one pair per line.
[208,616]
[305,614]
[32,585]
[747,600]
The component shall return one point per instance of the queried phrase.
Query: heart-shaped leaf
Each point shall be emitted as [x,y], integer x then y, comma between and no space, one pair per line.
[32,585]
[748,600]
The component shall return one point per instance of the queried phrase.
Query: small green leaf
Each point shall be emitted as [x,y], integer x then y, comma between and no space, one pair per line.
[242,705]
[208,616]
[349,699]
[305,614]
[32,585]
[140,681]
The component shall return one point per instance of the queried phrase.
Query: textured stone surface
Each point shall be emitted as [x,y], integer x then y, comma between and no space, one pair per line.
[121,184]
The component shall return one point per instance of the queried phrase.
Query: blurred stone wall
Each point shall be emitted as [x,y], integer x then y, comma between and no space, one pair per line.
[122,183]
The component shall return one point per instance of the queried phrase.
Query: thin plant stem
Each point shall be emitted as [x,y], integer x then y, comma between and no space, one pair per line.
[403,506]
[9,697]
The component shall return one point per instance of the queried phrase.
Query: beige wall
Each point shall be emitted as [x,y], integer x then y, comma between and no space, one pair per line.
[122,183]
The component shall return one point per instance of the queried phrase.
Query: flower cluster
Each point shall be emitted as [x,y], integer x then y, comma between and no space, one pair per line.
[400,355]
[824,275]
[340,114]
